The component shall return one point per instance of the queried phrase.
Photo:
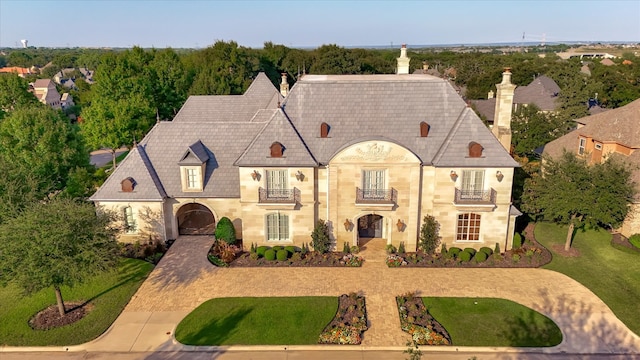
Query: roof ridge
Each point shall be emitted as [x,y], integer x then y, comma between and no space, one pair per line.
[299,136]
[253,141]
[450,135]
[151,170]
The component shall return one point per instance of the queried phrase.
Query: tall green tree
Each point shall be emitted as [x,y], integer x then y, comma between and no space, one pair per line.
[39,142]
[333,59]
[14,94]
[532,129]
[569,191]
[59,243]
[221,69]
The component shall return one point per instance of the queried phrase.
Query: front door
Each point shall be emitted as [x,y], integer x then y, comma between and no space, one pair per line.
[370,226]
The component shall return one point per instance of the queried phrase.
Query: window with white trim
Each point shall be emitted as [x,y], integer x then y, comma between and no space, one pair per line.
[472,184]
[373,184]
[582,145]
[598,146]
[277,227]
[130,225]
[468,228]
[193,178]
[277,183]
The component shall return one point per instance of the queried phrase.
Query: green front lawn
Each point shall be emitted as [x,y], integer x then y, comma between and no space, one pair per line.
[492,322]
[613,275]
[109,293]
[258,321]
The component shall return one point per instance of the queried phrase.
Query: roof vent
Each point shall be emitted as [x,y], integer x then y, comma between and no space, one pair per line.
[475,150]
[424,129]
[324,130]
[128,184]
[276,150]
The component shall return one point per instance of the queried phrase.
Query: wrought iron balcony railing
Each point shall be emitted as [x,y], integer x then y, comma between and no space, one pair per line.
[473,197]
[376,196]
[278,196]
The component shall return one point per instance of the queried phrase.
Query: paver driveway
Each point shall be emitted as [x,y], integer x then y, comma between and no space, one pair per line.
[184,279]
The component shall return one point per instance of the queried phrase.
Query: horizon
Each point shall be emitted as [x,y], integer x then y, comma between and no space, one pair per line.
[311,24]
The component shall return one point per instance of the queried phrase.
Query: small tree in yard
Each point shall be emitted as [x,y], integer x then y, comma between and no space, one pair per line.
[320,239]
[429,234]
[569,191]
[225,231]
[58,243]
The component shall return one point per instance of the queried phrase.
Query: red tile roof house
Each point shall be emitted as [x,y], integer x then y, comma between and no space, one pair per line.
[614,133]
[370,154]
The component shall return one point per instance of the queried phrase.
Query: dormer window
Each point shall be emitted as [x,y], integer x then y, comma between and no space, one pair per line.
[475,150]
[193,178]
[424,129]
[128,184]
[324,130]
[276,150]
[192,167]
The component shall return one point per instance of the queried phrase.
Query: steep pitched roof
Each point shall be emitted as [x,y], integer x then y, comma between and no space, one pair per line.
[278,129]
[361,107]
[195,154]
[542,91]
[136,165]
[486,108]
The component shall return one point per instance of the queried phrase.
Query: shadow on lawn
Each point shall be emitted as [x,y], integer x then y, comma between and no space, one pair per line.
[586,331]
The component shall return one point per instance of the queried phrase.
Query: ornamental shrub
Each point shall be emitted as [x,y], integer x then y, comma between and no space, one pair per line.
[355,249]
[635,240]
[260,250]
[401,248]
[471,251]
[291,249]
[429,235]
[278,248]
[497,249]
[296,256]
[282,255]
[443,249]
[517,240]
[305,249]
[464,256]
[390,249]
[270,254]
[486,250]
[515,258]
[346,249]
[454,251]
[225,231]
[480,257]
[320,239]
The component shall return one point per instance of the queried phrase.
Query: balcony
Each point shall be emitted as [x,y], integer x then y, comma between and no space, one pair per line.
[278,196]
[383,197]
[475,197]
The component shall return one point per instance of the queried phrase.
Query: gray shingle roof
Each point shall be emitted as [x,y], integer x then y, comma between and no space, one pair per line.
[196,154]
[278,129]
[137,166]
[363,107]
[542,91]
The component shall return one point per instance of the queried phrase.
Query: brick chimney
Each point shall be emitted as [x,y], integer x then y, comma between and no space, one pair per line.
[504,106]
[284,85]
[403,61]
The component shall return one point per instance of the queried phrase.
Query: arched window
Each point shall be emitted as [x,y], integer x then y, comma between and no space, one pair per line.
[277,227]
[324,130]
[475,149]
[424,129]
[276,149]
[468,228]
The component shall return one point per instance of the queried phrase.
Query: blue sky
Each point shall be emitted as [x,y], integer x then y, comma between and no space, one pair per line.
[112,23]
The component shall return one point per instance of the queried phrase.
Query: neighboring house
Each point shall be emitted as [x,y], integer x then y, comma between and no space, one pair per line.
[22,72]
[46,92]
[63,77]
[370,154]
[614,133]
[66,101]
[542,91]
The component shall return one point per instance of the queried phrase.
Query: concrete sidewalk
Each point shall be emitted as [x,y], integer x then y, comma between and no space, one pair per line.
[184,279]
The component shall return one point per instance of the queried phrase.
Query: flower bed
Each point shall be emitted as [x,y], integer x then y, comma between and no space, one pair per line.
[416,320]
[289,256]
[348,324]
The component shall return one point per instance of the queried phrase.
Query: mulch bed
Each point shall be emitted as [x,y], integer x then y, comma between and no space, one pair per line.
[311,259]
[416,320]
[348,324]
[50,318]
[618,240]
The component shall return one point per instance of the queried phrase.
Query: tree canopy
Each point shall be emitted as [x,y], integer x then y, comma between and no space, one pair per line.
[54,244]
[569,191]
[14,94]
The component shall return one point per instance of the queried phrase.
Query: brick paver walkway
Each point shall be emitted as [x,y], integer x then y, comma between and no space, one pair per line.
[184,279]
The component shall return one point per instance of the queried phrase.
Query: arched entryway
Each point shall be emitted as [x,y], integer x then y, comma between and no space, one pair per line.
[195,219]
[370,226]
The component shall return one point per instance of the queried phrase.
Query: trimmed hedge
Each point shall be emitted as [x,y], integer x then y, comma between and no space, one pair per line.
[464,256]
[278,248]
[270,255]
[471,251]
[225,231]
[291,249]
[454,251]
[487,250]
[480,257]
[261,250]
[282,255]
[517,240]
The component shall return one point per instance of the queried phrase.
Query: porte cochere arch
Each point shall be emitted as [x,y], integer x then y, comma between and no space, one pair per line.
[195,219]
